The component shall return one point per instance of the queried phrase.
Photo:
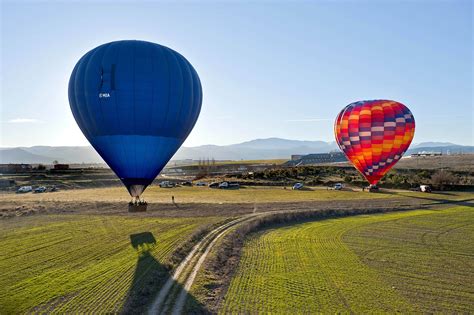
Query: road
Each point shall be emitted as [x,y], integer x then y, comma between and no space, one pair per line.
[172,296]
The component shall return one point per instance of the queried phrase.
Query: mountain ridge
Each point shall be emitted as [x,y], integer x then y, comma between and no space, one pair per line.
[256,149]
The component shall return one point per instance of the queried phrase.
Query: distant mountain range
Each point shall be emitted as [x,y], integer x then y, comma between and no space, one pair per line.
[271,148]
[46,155]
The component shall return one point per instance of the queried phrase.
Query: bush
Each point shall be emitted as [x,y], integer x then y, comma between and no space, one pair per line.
[442,178]
[425,174]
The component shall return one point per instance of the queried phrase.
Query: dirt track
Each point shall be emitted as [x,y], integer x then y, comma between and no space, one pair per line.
[187,270]
[16,208]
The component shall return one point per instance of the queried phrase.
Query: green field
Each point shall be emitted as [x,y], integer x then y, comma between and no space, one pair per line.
[111,263]
[92,264]
[416,261]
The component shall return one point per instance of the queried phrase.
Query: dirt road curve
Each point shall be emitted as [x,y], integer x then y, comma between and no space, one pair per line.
[173,294]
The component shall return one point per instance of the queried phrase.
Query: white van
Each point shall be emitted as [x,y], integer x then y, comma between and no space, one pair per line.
[24,189]
[425,188]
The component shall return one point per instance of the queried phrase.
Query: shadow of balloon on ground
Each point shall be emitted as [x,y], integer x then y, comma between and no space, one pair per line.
[149,276]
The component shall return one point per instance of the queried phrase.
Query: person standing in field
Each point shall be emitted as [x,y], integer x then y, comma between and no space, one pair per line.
[172,200]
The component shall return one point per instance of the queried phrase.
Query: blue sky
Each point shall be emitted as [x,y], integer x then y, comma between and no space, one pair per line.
[279,69]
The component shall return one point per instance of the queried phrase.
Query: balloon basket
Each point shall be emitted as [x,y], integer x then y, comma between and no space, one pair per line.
[137,208]
[373,189]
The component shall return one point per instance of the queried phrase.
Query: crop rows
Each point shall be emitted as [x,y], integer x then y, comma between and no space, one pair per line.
[394,262]
[79,263]
[430,259]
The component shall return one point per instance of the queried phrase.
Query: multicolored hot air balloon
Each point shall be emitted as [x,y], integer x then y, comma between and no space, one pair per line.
[136,102]
[374,135]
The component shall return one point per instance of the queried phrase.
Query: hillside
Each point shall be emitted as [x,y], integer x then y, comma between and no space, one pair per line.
[258,149]
[19,155]
[271,148]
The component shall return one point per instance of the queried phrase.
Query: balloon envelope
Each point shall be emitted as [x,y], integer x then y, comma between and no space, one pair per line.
[136,102]
[374,135]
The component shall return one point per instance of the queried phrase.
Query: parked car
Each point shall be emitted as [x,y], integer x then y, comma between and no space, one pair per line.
[214,185]
[40,189]
[233,186]
[189,184]
[297,186]
[166,184]
[54,188]
[201,184]
[24,189]
[228,185]
[425,188]
[338,186]
[224,185]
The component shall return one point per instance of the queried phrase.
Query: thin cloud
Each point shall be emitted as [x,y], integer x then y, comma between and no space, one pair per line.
[23,121]
[308,120]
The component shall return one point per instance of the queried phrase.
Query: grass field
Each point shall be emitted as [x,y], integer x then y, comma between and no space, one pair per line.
[416,261]
[155,194]
[86,264]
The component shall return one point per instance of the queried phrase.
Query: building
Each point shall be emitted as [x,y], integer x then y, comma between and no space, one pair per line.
[295,157]
[424,153]
[61,167]
[15,168]
[317,158]
[5,183]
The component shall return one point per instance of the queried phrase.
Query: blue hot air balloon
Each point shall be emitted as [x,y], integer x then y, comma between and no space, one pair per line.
[136,102]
